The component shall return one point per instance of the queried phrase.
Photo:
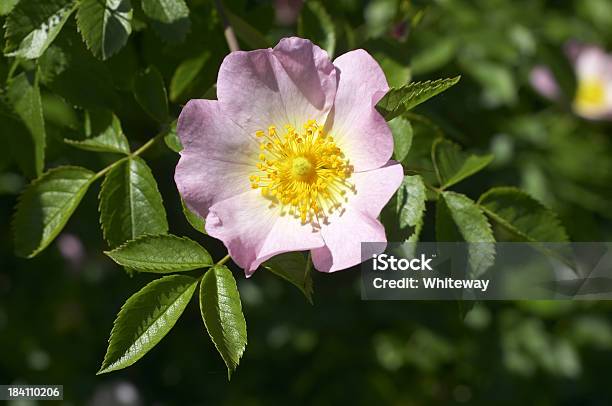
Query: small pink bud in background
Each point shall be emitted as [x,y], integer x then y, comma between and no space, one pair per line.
[71,248]
[543,81]
[287,11]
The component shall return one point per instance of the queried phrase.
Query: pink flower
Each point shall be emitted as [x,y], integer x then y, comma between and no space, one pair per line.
[593,70]
[292,157]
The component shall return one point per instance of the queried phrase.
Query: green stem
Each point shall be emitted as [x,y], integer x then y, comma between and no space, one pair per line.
[12,69]
[223,260]
[136,153]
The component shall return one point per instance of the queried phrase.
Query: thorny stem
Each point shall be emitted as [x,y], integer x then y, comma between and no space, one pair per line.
[228,31]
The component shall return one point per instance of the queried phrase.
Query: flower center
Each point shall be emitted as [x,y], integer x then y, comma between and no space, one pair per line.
[590,93]
[303,171]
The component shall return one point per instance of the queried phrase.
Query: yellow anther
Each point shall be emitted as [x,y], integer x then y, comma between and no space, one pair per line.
[305,172]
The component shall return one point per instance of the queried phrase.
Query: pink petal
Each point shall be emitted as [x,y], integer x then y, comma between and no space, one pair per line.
[360,131]
[544,82]
[253,231]
[593,62]
[290,84]
[217,157]
[358,223]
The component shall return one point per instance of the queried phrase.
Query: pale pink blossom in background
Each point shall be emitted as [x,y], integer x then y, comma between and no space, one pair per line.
[292,157]
[544,82]
[71,248]
[593,71]
[287,11]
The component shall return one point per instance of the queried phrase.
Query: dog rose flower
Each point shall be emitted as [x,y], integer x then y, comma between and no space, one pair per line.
[593,69]
[293,155]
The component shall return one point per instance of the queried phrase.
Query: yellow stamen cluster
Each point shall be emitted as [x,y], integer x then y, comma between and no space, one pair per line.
[303,171]
[590,94]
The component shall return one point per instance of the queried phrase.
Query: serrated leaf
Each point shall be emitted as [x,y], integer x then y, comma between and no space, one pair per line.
[150,93]
[145,318]
[165,11]
[403,215]
[130,203]
[316,24]
[185,74]
[246,32]
[458,218]
[33,25]
[45,207]
[295,268]
[402,137]
[452,165]
[196,221]
[411,197]
[111,139]
[163,253]
[399,100]
[221,311]
[24,94]
[522,215]
[105,25]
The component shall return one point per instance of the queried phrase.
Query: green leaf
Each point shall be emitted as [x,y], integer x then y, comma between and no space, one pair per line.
[169,18]
[145,318]
[165,11]
[45,207]
[316,24]
[411,197]
[33,25]
[111,139]
[295,268]
[522,215]
[105,25]
[162,253]
[24,94]
[453,165]
[402,137]
[470,224]
[150,93]
[403,215]
[222,314]
[246,32]
[401,99]
[7,6]
[130,203]
[185,75]
[172,140]
[196,221]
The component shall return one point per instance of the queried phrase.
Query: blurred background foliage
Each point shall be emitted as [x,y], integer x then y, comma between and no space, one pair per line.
[57,309]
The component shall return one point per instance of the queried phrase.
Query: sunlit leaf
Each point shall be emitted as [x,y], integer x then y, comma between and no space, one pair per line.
[45,207]
[401,99]
[145,318]
[222,314]
[24,94]
[105,25]
[33,25]
[186,74]
[402,137]
[163,253]
[110,140]
[130,203]
[246,32]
